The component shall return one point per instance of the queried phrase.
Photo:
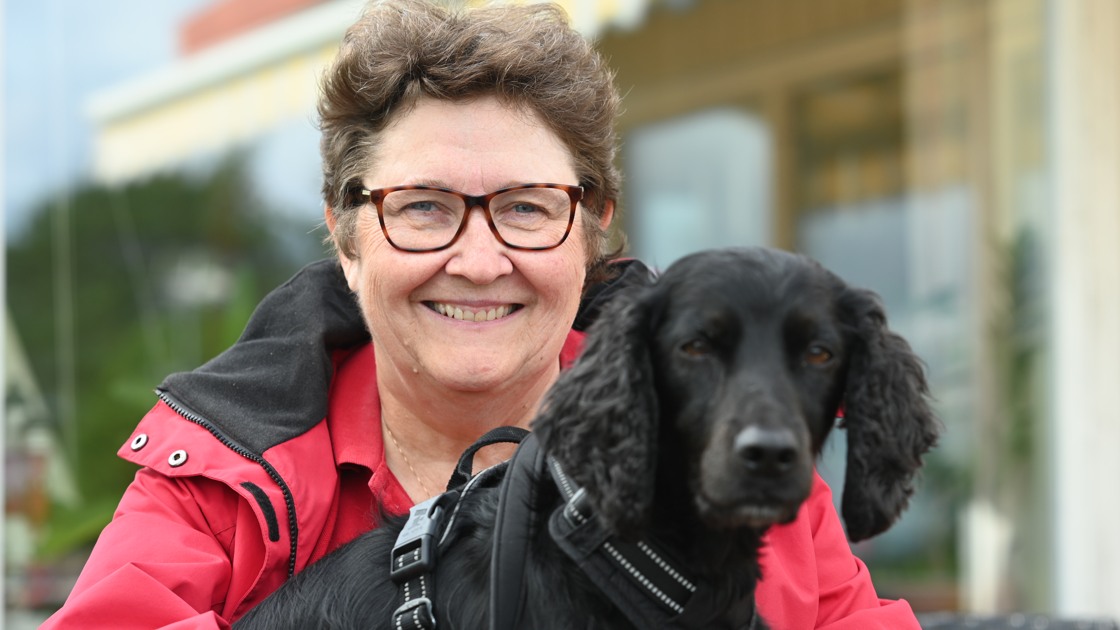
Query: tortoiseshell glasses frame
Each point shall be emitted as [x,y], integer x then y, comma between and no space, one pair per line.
[417,218]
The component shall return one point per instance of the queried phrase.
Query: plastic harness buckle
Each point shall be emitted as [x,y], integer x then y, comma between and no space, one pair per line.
[415,550]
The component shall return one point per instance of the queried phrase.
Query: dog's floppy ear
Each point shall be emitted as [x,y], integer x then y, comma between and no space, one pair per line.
[600,419]
[889,421]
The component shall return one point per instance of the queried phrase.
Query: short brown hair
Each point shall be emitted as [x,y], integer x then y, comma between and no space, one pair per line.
[527,56]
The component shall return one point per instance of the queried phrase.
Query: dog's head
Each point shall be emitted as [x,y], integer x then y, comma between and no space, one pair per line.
[732,367]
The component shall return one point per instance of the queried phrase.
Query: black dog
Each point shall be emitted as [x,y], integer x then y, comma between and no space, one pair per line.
[693,417]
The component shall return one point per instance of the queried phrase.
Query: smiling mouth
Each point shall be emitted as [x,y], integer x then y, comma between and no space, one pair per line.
[471,315]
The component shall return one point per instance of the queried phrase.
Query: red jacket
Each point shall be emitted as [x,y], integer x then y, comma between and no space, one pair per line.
[235,491]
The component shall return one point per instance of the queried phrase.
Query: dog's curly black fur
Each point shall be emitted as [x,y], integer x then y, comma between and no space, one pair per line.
[696,412]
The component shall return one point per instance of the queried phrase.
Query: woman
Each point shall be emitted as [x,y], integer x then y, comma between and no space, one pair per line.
[469,184]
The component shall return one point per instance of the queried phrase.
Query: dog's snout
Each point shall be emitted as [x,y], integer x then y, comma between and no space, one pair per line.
[767,451]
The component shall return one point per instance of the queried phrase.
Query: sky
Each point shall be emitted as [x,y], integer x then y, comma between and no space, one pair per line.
[56,55]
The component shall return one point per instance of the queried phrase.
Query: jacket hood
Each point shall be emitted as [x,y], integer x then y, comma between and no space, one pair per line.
[272,385]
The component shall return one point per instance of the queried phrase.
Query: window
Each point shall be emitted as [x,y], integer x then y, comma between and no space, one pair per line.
[696,182]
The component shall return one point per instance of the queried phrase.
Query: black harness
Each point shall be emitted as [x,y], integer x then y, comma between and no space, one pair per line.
[640,578]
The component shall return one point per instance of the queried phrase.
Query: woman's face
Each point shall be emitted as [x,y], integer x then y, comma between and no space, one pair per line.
[475,147]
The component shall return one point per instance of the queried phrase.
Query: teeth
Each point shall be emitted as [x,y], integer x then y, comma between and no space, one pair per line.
[460,313]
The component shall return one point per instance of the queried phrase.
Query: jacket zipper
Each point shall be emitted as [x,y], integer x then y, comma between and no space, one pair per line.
[289,501]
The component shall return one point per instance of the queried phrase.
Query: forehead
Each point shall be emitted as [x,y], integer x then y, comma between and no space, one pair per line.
[474,145]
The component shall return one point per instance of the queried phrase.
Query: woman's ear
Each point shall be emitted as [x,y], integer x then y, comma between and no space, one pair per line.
[608,214]
[351,267]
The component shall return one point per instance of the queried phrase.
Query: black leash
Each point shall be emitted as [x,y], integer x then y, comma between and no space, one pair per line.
[513,533]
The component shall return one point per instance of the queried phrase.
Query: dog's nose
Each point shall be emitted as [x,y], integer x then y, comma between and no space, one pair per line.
[767,451]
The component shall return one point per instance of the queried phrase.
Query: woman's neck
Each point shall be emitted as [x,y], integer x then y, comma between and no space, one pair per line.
[427,427]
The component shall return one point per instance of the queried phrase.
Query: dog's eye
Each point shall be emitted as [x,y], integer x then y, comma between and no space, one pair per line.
[696,347]
[817,355]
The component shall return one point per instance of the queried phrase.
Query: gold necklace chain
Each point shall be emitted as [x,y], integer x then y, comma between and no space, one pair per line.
[427,493]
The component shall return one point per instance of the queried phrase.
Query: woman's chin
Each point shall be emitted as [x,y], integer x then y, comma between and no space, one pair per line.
[464,371]
[478,371]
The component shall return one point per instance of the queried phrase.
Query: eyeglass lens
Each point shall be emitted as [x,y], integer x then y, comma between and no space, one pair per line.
[429,219]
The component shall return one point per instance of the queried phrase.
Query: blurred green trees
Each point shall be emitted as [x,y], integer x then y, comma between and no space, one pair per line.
[112,288]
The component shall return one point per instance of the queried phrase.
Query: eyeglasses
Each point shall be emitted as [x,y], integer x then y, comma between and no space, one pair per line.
[428,219]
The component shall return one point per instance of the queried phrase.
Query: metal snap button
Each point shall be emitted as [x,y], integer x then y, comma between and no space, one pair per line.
[139,442]
[178,458]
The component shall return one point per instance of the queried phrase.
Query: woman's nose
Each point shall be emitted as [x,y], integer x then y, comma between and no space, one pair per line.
[478,255]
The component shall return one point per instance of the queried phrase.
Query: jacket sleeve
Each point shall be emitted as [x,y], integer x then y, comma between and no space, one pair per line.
[159,563]
[811,579]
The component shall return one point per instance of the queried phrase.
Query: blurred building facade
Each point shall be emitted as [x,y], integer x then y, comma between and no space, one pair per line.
[957,156]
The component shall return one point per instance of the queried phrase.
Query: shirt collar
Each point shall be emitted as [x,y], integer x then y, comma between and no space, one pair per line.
[354,418]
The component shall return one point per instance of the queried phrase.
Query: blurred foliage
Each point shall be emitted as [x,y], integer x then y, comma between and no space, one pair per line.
[1018,333]
[162,275]
[1014,452]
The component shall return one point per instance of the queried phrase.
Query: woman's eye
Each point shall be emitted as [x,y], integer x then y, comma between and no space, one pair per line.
[421,206]
[817,355]
[696,347]
[526,208]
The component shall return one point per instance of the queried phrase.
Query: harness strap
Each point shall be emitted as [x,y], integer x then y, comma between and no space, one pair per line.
[513,531]
[412,560]
[640,578]
[465,469]
[647,598]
